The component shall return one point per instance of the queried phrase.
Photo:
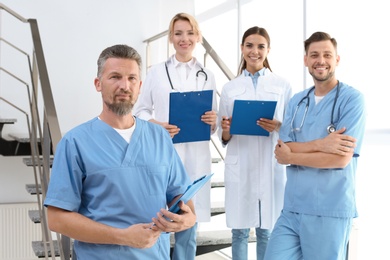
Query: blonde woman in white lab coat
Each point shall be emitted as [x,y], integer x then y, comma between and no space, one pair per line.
[180,73]
[254,181]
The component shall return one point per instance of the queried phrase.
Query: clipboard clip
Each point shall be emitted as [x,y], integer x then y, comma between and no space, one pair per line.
[198,180]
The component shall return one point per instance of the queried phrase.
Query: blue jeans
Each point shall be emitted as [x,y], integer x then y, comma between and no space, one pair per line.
[185,244]
[240,241]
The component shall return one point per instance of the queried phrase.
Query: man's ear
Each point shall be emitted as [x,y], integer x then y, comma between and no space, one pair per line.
[305,60]
[140,86]
[97,84]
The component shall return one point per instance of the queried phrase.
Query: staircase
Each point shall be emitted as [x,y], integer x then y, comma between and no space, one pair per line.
[44,133]
[42,126]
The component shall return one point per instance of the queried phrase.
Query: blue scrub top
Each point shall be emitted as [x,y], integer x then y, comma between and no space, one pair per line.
[323,192]
[98,174]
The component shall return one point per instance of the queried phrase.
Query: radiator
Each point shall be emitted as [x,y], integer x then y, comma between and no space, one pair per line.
[17,231]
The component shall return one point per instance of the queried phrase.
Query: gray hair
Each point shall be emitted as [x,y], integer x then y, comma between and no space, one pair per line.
[118,51]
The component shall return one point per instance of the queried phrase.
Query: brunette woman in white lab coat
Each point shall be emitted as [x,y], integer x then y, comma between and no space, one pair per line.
[254,181]
[180,73]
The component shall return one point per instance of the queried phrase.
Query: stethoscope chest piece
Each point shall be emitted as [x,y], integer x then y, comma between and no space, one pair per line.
[331,129]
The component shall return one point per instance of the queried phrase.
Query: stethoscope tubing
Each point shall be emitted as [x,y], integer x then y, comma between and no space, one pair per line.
[331,128]
[197,76]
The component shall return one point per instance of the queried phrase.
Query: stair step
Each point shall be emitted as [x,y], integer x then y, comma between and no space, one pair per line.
[217,184]
[39,249]
[17,144]
[216,237]
[31,188]
[29,162]
[216,160]
[7,147]
[7,120]
[217,207]
[207,241]
[4,121]
[20,139]
[34,216]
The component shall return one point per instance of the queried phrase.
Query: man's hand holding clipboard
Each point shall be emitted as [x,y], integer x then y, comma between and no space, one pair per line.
[190,192]
[179,216]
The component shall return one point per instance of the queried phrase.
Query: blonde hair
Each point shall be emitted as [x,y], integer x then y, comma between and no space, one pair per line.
[185,17]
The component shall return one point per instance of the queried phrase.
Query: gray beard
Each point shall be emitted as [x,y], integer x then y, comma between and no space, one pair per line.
[121,109]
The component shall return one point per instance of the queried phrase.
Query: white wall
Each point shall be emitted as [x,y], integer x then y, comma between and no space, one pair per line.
[73,34]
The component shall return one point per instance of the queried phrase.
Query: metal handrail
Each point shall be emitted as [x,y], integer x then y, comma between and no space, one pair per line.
[213,54]
[34,155]
[50,111]
[13,46]
[13,13]
[51,134]
[17,78]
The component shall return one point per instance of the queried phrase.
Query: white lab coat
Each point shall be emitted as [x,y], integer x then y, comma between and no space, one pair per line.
[153,103]
[252,174]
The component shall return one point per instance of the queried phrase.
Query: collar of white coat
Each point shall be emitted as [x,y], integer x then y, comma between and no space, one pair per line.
[191,63]
[257,73]
[270,83]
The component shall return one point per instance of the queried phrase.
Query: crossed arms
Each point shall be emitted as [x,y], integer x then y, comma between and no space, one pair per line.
[333,151]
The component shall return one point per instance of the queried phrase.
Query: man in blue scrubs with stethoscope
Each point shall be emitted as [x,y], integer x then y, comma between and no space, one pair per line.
[321,138]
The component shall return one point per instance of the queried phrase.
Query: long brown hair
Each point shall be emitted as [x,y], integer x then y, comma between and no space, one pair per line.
[254,30]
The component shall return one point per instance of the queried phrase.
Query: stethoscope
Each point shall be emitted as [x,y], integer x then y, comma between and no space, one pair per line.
[197,76]
[331,128]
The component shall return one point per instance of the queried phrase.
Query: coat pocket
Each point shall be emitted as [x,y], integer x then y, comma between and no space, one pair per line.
[232,170]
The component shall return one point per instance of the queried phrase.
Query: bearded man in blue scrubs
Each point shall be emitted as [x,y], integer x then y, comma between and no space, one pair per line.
[114,176]
[321,139]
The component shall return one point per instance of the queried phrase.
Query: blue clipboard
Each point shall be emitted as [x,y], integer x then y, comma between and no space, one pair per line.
[247,112]
[190,192]
[185,111]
